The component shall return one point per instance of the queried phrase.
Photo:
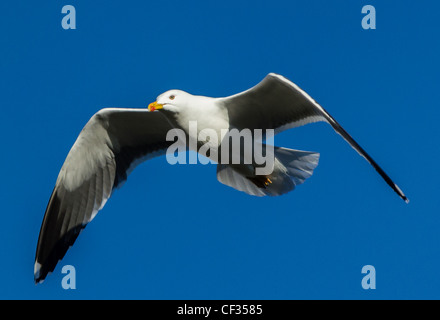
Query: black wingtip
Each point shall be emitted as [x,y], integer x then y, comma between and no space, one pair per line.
[46,264]
[394,186]
[399,192]
[39,274]
[347,137]
[404,198]
[41,271]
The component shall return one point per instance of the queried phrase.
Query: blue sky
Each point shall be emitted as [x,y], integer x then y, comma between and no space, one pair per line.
[174,232]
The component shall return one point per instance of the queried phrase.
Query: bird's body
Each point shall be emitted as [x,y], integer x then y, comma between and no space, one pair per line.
[114,141]
[207,112]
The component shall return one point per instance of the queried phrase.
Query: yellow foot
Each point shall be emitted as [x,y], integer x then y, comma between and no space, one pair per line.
[267,182]
[260,181]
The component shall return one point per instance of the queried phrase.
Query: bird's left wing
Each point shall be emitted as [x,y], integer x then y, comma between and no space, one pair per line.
[110,145]
[279,104]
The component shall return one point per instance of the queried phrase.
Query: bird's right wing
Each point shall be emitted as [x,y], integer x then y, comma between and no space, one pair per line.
[111,144]
[279,104]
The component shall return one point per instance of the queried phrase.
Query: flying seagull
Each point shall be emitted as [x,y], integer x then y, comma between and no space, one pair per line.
[114,141]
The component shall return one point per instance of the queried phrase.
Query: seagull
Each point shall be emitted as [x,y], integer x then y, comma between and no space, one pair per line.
[115,140]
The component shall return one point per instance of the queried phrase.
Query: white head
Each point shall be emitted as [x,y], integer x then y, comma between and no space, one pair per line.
[172,100]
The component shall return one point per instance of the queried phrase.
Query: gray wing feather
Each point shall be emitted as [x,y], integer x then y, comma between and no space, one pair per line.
[274,103]
[279,104]
[107,149]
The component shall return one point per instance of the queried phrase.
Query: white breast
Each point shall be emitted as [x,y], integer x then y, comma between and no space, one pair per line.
[201,116]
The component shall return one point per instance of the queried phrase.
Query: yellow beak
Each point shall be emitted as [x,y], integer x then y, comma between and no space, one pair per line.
[155,106]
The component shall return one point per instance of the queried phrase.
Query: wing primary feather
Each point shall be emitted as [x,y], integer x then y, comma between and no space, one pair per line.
[109,146]
[347,137]
[278,103]
[50,248]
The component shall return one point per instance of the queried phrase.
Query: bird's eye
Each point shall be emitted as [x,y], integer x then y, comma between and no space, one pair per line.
[172,97]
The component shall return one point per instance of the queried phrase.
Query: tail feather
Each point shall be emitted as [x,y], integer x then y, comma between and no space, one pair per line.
[291,168]
[299,164]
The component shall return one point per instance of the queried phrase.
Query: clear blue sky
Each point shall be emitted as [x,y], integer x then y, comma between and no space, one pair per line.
[174,232]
